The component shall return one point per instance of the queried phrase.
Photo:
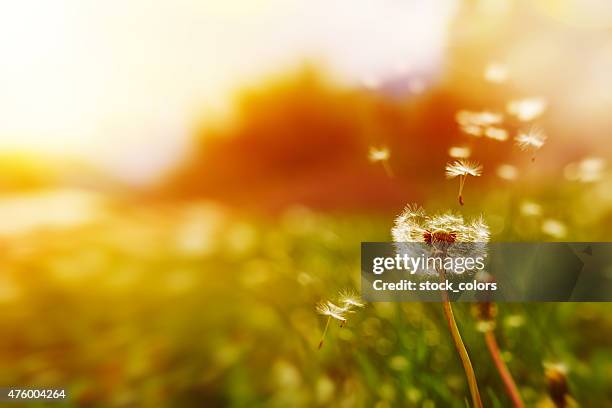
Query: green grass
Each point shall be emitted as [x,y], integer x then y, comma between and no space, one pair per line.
[140,310]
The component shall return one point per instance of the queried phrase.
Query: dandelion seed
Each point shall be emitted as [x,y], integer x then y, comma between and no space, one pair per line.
[496,72]
[507,172]
[331,310]
[532,139]
[462,169]
[554,228]
[496,133]
[527,109]
[349,299]
[381,154]
[459,152]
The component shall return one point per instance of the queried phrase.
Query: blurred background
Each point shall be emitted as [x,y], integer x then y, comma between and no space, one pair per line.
[182,181]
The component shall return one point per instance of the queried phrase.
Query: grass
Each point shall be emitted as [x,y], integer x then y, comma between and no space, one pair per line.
[141,310]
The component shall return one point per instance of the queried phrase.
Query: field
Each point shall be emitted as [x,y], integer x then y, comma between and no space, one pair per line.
[195,305]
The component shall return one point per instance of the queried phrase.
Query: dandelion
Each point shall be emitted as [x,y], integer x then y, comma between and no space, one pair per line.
[496,72]
[458,152]
[526,109]
[496,133]
[507,172]
[381,154]
[446,232]
[532,139]
[349,301]
[462,169]
[556,380]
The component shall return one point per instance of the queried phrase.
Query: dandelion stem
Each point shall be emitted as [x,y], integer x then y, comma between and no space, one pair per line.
[324,332]
[461,185]
[509,383]
[387,168]
[463,353]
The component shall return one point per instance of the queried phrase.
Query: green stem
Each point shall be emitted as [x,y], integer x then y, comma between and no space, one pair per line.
[463,354]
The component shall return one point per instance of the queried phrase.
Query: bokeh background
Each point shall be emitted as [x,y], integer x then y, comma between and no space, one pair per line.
[182,181]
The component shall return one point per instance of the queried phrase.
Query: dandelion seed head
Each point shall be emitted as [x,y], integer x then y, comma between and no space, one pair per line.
[554,228]
[496,72]
[531,139]
[377,154]
[445,231]
[496,133]
[463,168]
[526,109]
[507,172]
[330,309]
[458,152]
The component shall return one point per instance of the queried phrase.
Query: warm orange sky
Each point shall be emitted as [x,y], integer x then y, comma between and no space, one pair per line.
[121,81]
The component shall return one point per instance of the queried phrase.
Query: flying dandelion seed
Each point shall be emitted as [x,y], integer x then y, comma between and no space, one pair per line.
[381,154]
[507,172]
[554,228]
[496,72]
[458,152]
[378,154]
[332,311]
[349,301]
[462,169]
[527,109]
[532,139]
[496,133]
